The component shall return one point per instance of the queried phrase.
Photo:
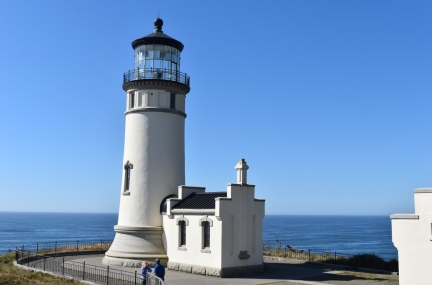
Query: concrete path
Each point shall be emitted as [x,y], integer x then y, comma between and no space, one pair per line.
[290,272]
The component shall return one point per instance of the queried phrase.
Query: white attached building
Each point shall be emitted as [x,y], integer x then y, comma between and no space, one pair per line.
[215,233]
[412,236]
[218,234]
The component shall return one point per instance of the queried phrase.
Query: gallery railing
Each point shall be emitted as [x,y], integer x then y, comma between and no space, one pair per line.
[156,74]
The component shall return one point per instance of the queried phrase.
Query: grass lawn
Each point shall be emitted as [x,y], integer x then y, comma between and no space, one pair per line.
[12,275]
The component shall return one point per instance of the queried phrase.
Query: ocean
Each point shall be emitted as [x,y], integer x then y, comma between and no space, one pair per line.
[341,234]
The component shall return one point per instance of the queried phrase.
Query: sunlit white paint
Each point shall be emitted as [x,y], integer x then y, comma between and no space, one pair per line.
[412,236]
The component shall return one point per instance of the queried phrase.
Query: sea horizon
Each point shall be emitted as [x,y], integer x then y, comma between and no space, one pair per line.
[344,234]
[47,212]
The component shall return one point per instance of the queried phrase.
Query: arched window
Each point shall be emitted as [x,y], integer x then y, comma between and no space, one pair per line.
[182,230]
[206,234]
[182,222]
[205,222]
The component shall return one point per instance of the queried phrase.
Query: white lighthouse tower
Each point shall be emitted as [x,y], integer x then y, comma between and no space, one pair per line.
[154,157]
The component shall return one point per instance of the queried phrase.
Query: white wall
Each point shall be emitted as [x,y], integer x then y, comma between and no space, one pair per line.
[191,253]
[154,144]
[412,236]
[237,226]
[155,98]
[242,217]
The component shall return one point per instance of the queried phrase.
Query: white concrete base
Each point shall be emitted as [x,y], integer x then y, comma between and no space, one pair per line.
[133,245]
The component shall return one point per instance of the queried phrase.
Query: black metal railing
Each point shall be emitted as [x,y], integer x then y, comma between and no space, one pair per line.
[81,270]
[66,246]
[370,261]
[152,279]
[156,74]
[34,256]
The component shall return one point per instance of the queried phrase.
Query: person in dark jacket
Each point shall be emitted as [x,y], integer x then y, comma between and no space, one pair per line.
[144,269]
[159,270]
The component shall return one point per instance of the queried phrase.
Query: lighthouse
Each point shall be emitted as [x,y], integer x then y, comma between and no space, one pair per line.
[154,150]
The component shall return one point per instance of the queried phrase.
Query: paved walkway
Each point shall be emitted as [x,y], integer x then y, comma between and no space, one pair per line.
[289,272]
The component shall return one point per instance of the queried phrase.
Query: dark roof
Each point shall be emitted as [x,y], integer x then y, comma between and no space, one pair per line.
[158,37]
[200,200]
[163,205]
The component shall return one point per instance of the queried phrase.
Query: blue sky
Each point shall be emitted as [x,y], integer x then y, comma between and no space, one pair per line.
[328,101]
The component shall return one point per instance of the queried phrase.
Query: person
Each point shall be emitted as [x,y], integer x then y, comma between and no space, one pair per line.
[144,269]
[159,269]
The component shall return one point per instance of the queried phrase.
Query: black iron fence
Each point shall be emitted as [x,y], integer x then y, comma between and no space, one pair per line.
[34,256]
[365,260]
[156,74]
[66,246]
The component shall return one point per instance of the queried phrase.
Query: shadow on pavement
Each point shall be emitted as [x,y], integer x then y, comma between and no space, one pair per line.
[278,271]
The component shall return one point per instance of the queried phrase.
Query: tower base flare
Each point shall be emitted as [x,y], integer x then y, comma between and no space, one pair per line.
[133,245]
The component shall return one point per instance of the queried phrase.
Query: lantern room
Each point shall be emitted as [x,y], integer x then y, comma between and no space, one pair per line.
[157,57]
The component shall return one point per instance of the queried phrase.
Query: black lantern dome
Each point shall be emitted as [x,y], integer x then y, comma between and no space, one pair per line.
[158,37]
[157,58]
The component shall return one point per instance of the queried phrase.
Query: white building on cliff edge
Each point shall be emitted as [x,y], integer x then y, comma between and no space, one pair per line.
[211,233]
[412,236]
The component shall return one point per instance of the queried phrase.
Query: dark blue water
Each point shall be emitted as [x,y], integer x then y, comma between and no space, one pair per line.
[17,229]
[343,234]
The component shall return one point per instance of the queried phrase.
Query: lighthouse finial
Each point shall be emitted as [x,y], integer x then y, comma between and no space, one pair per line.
[158,25]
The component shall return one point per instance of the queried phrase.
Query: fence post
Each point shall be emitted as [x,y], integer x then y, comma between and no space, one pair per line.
[55,247]
[28,258]
[135,277]
[63,266]
[335,256]
[107,275]
[77,244]
[309,255]
[37,247]
[83,270]
[16,254]
[44,262]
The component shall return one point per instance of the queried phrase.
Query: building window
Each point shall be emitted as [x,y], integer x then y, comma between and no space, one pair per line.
[182,222]
[182,229]
[205,223]
[127,167]
[206,234]
[132,99]
[172,101]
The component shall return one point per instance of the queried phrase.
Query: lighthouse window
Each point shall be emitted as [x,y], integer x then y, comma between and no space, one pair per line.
[156,56]
[172,101]
[132,100]
[128,166]
[128,170]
